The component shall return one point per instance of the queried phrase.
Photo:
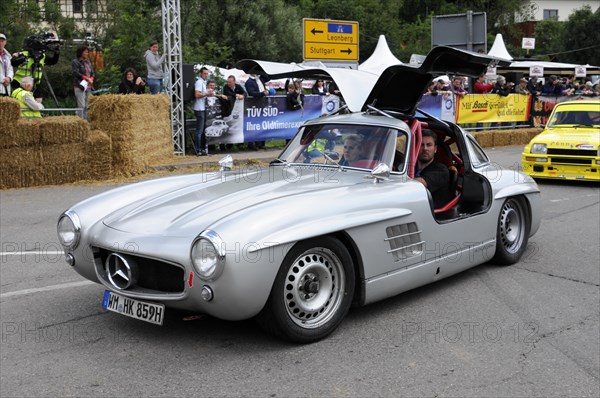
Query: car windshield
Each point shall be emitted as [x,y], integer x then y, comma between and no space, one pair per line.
[355,146]
[570,117]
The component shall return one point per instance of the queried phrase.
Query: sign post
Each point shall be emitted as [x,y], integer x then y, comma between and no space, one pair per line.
[329,40]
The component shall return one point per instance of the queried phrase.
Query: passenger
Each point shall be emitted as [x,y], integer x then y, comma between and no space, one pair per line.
[353,150]
[432,174]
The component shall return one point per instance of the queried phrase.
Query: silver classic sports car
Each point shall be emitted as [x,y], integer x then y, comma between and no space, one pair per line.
[338,219]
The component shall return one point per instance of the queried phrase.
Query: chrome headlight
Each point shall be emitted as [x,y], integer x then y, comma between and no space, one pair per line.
[208,255]
[539,148]
[69,229]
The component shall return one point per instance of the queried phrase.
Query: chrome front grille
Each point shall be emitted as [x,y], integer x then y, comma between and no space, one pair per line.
[151,277]
[405,241]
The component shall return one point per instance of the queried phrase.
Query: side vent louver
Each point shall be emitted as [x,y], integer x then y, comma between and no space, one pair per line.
[405,241]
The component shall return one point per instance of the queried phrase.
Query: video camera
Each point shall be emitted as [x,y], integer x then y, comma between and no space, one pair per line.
[43,43]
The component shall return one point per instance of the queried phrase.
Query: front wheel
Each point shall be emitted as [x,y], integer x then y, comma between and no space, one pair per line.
[312,291]
[512,232]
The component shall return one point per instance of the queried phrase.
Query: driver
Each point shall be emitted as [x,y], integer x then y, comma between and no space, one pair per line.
[432,174]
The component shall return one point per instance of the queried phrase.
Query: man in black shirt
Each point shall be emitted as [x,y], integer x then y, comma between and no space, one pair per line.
[433,175]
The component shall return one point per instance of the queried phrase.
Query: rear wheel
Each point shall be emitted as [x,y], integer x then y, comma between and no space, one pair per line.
[512,232]
[312,291]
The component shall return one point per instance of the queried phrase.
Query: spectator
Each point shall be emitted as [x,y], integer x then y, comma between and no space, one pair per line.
[569,86]
[28,62]
[552,86]
[588,90]
[217,103]
[319,88]
[83,79]
[233,91]
[293,99]
[457,87]
[501,87]
[30,107]
[201,92]
[521,88]
[431,89]
[132,83]
[6,69]
[442,87]
[481,87]
[333,89]
[154,64]
[533,87]
[434,175]
[256,88]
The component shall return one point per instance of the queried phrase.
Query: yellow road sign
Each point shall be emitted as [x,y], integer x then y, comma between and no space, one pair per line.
[330,39]
[344,52]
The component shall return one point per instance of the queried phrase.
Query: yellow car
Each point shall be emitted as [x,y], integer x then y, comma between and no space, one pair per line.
[569,146]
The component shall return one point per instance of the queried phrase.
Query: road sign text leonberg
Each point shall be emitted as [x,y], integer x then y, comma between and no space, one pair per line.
[326,39]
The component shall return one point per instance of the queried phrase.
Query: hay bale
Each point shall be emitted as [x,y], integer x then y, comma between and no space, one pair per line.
[139,127]
[111,108]
[19,167]
[58,130]
[62,164]
[24,133]
[98,156]
[519,137]
[10,111]
[484,138]
[502,138]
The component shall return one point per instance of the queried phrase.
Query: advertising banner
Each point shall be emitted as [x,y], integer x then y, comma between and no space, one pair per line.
[440,106]
[542,107]
[261,119]
[484,108]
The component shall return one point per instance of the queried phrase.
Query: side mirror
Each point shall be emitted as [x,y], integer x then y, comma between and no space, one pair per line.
[380,172]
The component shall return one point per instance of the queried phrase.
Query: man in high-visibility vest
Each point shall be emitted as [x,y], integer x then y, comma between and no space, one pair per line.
[30,107]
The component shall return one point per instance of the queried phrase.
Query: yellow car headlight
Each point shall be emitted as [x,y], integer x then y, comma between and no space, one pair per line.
[539,148]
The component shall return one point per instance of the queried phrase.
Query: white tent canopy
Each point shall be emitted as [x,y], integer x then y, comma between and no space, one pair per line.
[381,58]
[499,49]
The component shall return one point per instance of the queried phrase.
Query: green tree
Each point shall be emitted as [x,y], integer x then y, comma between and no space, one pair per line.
[549,37]
[582,32]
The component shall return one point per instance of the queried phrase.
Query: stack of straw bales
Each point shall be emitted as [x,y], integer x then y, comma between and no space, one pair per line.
[126,133]
[50,150]
[138,126]
[495,138]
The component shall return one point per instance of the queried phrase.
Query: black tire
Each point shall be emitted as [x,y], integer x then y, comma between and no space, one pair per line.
[312,292]
[512,233]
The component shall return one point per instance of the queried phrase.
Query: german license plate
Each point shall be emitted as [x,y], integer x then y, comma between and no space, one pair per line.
[149,312]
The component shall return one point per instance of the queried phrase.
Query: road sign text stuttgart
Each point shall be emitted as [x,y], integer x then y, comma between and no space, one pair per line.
[330,40]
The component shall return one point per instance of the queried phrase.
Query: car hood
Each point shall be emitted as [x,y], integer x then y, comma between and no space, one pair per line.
[399,87]
[186,211]
[570,136]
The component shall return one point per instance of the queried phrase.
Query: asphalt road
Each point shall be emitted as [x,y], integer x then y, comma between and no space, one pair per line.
[531,329]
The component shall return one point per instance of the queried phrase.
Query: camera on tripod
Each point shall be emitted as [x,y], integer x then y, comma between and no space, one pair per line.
[43,43]
[38,50]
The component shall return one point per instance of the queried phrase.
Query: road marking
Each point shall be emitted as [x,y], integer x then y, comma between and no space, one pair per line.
[572,198]
[36,252]
[45,289]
